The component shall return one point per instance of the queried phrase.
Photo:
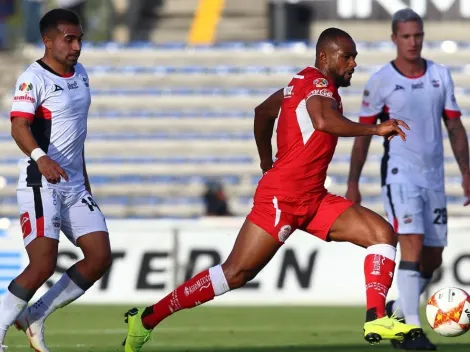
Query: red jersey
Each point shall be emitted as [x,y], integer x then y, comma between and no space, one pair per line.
[303,155]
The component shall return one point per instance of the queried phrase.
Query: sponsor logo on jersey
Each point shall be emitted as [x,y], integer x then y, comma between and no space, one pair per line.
[25,87]
[407,219]
[57,88]
[56,222]
[288,91]
[321,92]
[399,87]
[73,85]
[284,233]
[25,224]
[365,104]
[378,261]
[320,83]
[85,81]
[419,85]
[24,98]
[200,285]
[435,83]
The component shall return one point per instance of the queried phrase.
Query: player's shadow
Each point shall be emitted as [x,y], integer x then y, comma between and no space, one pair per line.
[384,347]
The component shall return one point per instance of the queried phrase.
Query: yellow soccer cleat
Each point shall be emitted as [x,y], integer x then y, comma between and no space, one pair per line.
[389,328]
[137,334]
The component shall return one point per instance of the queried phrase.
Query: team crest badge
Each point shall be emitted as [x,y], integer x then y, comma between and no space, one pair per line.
[284,233]
[320,83]
[25,87]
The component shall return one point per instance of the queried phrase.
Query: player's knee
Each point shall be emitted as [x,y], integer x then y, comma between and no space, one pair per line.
[383,234]
[237,277]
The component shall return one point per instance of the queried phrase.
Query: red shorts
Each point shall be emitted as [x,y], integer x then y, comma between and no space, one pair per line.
[317,220]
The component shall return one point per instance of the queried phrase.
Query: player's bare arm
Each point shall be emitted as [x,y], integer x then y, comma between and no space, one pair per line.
[459,142]
[358,159]
[265,117]
[325,117]
[21,133]
[85,174]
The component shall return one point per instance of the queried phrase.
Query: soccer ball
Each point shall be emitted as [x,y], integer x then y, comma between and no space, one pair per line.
[448,312]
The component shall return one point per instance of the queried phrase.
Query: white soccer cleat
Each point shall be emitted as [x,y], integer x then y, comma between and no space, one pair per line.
[34,330]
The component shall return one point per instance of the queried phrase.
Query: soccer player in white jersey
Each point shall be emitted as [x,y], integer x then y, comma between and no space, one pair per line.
[420,92]
[49,124]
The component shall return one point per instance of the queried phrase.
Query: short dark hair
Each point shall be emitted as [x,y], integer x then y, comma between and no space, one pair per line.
[330,35]
[54,17]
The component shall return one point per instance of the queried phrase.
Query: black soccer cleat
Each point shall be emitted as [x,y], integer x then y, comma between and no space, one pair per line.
[389,311]
[419,343]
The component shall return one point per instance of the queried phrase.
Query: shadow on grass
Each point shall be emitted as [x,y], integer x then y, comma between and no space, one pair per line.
[314,348]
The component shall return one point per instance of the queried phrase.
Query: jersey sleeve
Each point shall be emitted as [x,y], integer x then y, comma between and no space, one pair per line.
[319,87]
[27,96]
[372,101]
[451,108]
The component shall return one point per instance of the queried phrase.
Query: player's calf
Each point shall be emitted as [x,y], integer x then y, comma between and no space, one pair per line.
[93,267]
[236,276]
[431,260]
[97,255]
[36,274]
[42,253]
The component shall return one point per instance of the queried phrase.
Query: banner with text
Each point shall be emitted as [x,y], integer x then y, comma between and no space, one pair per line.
[383,9]
[150,258]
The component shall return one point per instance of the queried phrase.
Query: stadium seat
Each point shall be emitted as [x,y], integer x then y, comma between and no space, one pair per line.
[166,118]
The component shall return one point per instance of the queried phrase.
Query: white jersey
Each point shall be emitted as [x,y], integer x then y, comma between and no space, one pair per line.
[58,108]
[421,102]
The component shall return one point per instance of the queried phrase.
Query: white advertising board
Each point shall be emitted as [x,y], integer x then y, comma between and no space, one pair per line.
[152,256]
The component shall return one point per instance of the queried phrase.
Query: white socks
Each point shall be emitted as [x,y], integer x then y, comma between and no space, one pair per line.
[219,282]
[385,250]
[10,308]
[410,285]
[64,291]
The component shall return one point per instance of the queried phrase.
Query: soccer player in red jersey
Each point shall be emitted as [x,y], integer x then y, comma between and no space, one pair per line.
[291,195]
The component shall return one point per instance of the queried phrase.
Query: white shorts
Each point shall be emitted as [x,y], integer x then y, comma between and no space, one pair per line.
[45,212]
[415,210]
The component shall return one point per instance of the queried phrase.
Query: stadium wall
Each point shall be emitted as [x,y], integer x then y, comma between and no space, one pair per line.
[152,256]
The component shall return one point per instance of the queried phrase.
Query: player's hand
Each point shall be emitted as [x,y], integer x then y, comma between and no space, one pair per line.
[391,128]
[466,187]
[266,165]
[353,193]
[51,170]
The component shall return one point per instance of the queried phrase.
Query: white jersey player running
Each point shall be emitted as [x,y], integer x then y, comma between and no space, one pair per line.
[49,124]
[421,93]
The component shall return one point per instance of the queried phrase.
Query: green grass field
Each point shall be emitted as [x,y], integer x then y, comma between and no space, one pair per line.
[214,329]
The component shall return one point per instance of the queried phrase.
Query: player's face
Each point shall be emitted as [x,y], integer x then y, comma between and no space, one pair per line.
[67,44]
[343,62]
[409,40]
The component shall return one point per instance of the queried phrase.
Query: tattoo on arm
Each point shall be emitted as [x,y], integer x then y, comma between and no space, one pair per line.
[459,142]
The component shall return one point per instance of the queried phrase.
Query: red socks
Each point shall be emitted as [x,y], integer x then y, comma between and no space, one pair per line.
[200,289]
[379,267]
